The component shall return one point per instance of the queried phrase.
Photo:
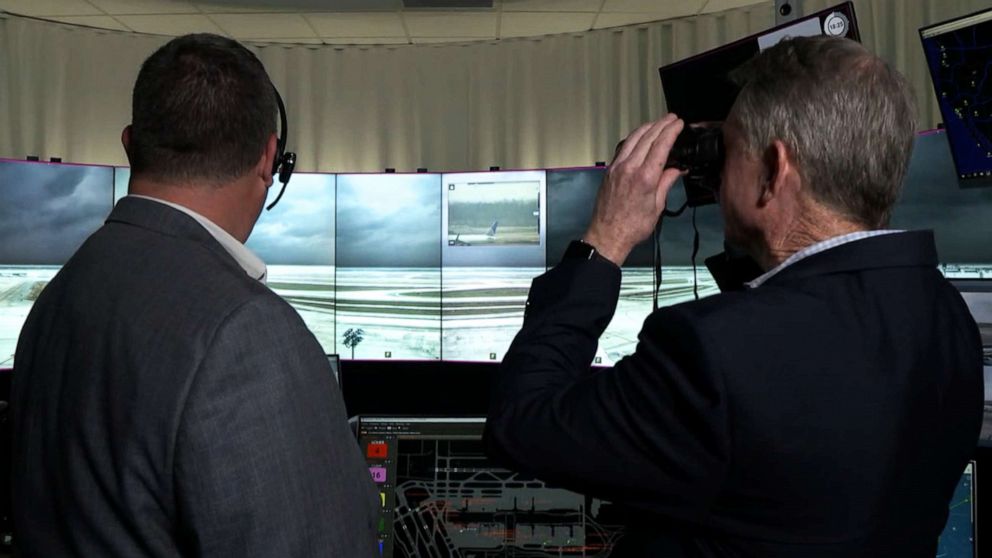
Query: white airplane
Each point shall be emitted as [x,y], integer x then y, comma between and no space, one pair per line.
[472,239]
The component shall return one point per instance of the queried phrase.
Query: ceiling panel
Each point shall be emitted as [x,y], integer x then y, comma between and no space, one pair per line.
[364,21]
[451,24]
[49,7]
[678,8]
[377,24]
[101,22]
[721,5]
[366,40]
[282,40]
[115,7]
[230,9]
[264,25]
[530,24]
[552,5]
[174,25]
[248,6]
[436,40]
[619,19]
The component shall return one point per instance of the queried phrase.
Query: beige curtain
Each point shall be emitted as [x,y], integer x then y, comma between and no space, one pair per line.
[550,102]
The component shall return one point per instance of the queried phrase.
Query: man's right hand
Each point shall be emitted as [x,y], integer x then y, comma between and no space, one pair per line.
[633,194]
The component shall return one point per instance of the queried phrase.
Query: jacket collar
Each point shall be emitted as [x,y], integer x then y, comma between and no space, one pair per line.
[161,218]
[904,249]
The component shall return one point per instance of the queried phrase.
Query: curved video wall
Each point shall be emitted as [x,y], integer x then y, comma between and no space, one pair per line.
[437,266]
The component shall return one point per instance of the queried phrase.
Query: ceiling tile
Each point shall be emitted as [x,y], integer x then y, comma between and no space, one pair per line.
[435,40]
[374,24]
[529,24]
[116,7]
[552,5]
[721,5]
[209,8]
[173,25]
[264,25]
[250,6]
[282,40]
[366,40]
[43,8]
[451,24]
[102,22]
[616,20]
[663,10]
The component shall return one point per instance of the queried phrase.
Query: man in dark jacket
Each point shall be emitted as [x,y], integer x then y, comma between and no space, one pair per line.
[165,401]
[829,407]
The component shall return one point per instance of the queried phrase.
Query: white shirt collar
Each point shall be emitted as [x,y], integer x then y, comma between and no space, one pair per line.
[252,264]
[816,249]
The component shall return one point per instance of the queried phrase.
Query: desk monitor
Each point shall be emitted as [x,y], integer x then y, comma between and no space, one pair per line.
[441,496]
[958,540]
[978,296]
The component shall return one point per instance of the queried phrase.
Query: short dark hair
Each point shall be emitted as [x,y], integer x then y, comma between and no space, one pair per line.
[847,117]
[203,109]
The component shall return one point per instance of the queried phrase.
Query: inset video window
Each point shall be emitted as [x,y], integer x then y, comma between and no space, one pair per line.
[493,246]
[389,266]
[296,242]
[46,212]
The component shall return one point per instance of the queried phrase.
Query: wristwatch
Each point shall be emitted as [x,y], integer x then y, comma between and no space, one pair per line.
[581,250]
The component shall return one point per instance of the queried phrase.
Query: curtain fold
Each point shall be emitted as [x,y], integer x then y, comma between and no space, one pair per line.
[547,102]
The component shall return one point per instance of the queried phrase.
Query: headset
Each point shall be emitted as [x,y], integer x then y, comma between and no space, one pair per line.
[285,161]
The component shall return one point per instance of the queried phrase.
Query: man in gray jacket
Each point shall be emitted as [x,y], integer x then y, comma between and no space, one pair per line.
[165,401]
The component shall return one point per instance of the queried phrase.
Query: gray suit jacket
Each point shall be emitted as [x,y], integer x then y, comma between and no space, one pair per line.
[166,404]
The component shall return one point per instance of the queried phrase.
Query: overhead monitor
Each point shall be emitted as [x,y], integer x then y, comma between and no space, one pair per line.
[959,55]
[698,88]
[440,496]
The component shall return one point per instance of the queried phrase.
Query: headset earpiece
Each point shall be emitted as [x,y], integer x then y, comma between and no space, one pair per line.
[284,163]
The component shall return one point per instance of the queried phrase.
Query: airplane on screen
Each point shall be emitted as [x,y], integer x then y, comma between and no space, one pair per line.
[490,236]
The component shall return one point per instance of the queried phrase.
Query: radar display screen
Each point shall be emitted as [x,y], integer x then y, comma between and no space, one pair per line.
[441,497]
[959,54]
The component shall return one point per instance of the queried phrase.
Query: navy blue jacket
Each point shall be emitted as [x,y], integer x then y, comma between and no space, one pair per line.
[828,413]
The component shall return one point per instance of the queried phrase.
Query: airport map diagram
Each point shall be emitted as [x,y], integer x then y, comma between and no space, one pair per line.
[958,536]
[450,502]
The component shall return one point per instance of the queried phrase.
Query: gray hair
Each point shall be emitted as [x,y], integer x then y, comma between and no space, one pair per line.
[843,113]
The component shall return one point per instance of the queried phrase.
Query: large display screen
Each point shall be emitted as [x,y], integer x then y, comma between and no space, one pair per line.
[440,496]
[46,212]
[493,246]
[571,198]
[389,266]
[122,177]
[296,241]
[959,55]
